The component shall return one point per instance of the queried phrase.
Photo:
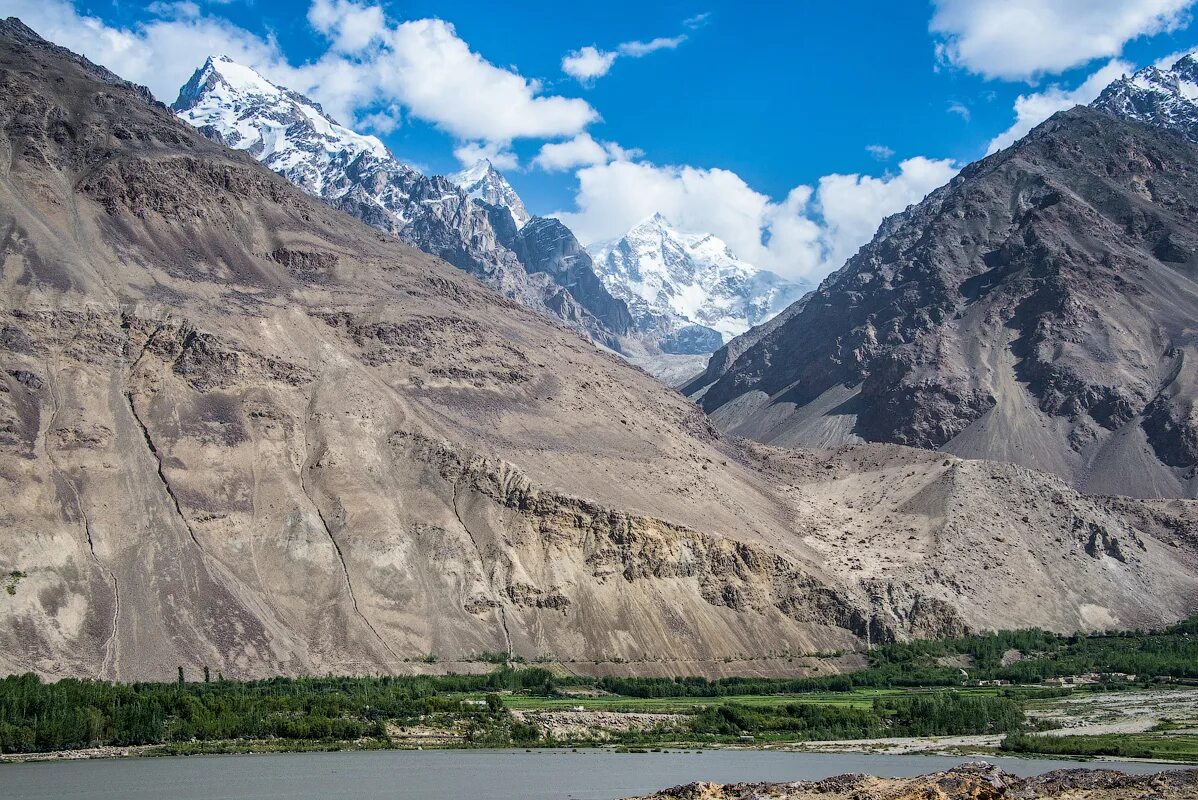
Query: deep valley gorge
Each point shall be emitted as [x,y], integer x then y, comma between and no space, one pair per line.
[303,447]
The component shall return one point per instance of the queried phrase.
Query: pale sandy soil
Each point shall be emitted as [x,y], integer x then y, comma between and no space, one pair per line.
[1085,715]
[595,725]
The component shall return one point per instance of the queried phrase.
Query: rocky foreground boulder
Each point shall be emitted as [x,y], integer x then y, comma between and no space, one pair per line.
[967,782]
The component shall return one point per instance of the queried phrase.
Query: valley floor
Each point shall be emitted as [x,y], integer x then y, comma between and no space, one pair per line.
[1161,722]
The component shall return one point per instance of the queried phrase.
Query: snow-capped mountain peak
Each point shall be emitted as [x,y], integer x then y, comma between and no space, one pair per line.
[292,135]
[283,129]
[689,279]
[1167,98]
[484,182]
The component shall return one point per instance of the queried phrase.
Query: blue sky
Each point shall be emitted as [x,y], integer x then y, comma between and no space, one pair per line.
[788,129]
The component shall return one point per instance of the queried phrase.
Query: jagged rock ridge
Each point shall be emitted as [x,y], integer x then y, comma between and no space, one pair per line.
[1165,98]
[234,105]
[970,781]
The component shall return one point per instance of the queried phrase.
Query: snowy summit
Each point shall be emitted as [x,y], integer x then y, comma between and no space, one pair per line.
[689,279]
[483,182]
[283,129]
[1167,98]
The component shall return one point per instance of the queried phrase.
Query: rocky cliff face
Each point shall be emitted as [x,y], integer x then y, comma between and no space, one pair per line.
[234,105]
[546,246]
[239,429]
[1034,310]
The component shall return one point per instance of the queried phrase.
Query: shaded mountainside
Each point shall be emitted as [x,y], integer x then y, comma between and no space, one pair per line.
[546,246]
[239,429]
[1038,309]
[234,105]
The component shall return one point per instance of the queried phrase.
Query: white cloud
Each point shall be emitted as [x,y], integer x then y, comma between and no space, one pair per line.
[351,26]
[383,121]
[470,153]
[161,53]
[1032,109]
[960,109]
[697,21]
[1167,61]
[375,71]
[1023,39]
[589,63]
[880,151]
[581,151]
[638,49]
[424,66]
[807,235]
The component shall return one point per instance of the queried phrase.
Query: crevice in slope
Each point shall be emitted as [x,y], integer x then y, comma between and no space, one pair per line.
[349,586]
[166,484]
[507,634]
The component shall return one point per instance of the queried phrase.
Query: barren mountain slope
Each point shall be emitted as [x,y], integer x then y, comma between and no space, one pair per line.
[1038,309]
[240,429]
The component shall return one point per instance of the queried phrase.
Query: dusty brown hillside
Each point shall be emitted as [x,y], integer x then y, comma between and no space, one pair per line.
[240,429]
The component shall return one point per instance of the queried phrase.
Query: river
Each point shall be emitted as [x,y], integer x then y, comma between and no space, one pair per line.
[455,774]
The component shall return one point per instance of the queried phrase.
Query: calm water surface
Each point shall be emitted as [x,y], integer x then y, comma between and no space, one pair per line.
[454,775]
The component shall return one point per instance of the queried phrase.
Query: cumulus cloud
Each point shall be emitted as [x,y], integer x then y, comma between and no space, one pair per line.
[374,71]
[806,235]
[1032,109]
[470,153]
[160,53]
[581,151]
[427,68]
[351,26]
[1024,39]
[589,63]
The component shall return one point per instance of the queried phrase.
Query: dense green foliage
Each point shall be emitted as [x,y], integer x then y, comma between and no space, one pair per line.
[36,716]
[1170,654]
[1119,745]
[933,714]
